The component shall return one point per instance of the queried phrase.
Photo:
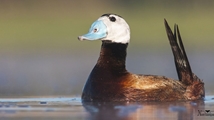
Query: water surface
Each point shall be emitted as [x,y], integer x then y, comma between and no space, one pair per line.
[67,108]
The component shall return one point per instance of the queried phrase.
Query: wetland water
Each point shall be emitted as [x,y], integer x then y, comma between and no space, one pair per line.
[50,75]
[71,108]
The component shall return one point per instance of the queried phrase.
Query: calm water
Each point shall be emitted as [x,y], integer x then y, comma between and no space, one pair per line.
[62,74]
[71,108]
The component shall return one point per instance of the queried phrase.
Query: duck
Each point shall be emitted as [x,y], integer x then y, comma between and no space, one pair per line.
[110,81]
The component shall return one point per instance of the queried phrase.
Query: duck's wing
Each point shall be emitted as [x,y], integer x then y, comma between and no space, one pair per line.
[183,68]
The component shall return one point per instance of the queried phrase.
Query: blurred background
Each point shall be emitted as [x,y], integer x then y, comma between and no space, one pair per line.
[41,56]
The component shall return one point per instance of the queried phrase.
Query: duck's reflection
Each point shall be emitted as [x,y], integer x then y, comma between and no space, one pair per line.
[148,110]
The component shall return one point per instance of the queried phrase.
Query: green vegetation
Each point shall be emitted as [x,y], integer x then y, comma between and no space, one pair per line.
[55,24]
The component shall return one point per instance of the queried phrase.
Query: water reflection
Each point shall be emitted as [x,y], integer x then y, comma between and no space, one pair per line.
[67,108]
[146,110]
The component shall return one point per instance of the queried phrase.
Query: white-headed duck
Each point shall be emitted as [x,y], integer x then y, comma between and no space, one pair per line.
[110,81]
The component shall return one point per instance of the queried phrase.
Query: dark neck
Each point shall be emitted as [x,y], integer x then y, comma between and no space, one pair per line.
[112,57]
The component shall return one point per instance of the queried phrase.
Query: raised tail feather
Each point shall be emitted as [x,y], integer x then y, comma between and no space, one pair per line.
[183,68]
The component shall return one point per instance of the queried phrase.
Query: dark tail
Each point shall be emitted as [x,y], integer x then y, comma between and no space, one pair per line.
[183,68]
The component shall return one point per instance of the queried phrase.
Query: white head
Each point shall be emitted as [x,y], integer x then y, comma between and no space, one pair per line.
[108,27]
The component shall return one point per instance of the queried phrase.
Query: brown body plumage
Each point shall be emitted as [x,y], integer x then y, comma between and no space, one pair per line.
[110,81]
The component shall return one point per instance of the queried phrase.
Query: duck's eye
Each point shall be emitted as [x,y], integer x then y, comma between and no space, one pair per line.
[113,19]
[95,30]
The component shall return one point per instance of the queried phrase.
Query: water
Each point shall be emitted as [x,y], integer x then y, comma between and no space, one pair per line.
[63,74]
[71,108]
